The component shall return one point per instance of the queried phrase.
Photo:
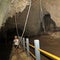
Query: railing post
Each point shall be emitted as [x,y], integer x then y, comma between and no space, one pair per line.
[37,53]
[24,43]
[21,41]
[27,46]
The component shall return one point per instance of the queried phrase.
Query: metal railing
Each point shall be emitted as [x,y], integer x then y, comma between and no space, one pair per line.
[26,45]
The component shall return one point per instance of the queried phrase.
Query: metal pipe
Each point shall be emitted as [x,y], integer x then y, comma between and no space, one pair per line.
[49,54]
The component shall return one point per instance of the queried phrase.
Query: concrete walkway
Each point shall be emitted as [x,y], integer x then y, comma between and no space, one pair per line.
[19,54]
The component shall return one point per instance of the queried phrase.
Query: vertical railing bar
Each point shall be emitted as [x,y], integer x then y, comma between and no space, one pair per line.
[27,46]
[37,53]
[21,40]
[24,44]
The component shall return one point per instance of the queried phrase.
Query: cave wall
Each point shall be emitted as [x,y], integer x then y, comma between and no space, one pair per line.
[53,7]
[34,20]
[49,7]
[3,10]
[8,8]
[33,26]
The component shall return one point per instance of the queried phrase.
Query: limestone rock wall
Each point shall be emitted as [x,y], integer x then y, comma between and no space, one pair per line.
[53,7]
[8,8]
[33,24]
[3,10]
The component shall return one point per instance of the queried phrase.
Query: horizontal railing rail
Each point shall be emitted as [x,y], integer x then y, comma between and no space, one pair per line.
[32,54]
[31,45]
[36,46]
[49,54]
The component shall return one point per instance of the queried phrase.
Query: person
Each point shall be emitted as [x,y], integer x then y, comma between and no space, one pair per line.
[16,42]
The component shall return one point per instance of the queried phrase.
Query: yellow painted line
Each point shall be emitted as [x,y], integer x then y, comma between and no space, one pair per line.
[32,54]
[49,54]
[32,46]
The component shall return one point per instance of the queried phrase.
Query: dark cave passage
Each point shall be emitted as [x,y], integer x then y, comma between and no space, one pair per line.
[6,42]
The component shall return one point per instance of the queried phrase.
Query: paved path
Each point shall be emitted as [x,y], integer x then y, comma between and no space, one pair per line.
[19,54]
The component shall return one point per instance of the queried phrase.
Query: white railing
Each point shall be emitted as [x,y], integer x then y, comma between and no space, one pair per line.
[26,46]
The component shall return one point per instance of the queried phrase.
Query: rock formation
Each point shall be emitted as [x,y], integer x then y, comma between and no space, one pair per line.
[10,8]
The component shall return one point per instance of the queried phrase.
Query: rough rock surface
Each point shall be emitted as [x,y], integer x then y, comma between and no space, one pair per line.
[53,7]
[33,27]
[8,8]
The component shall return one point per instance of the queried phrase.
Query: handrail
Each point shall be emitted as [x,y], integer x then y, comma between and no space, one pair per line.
[46,53]
[32,54]
[30,51]
[49,54]
[31,45]
[37,50]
